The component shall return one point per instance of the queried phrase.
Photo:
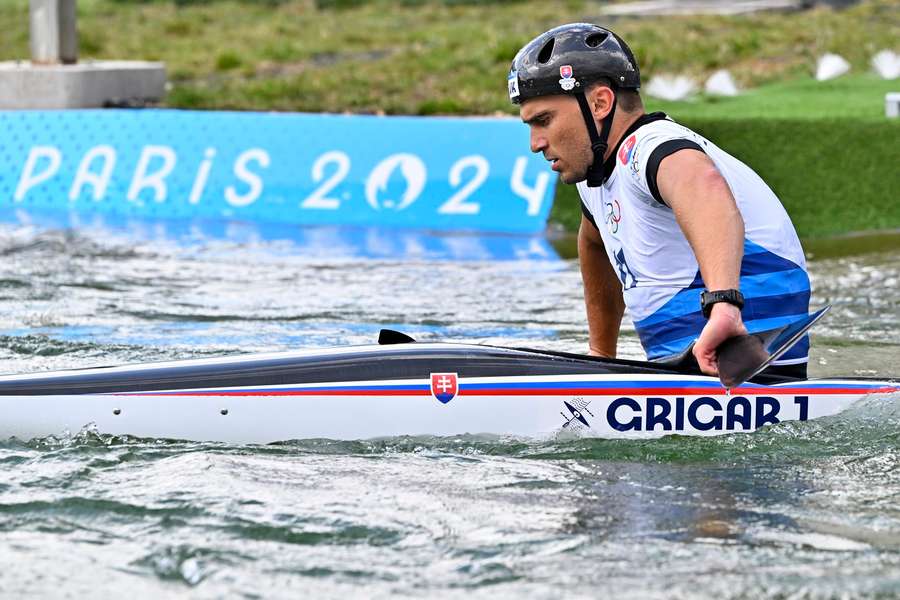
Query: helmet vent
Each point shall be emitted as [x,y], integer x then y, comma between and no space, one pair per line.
[595,39]
[546,52]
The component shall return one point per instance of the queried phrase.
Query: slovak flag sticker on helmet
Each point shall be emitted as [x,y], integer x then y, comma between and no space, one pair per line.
[444,386]
[567,82]
[513,82]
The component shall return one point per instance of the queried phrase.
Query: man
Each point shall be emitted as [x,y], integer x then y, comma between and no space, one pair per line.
[689,238]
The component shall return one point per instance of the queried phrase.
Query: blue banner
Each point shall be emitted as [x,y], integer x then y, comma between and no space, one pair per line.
[436,173]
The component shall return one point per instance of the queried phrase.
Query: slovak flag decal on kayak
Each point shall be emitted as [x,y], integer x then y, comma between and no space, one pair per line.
[444,386]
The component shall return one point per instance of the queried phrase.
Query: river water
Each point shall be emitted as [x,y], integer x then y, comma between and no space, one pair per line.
[799,510]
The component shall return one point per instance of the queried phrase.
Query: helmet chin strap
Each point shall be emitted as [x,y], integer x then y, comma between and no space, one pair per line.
[599,141]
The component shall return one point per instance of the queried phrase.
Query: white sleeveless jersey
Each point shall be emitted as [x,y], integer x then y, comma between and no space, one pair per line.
[656,265]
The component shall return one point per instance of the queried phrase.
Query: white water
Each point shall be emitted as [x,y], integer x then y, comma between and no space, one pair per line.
[804,510]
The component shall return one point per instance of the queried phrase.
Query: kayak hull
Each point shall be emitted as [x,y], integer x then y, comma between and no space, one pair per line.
[304,396]
[530,407]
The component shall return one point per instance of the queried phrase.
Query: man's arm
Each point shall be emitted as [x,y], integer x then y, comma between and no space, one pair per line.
[706,211]
[602,292]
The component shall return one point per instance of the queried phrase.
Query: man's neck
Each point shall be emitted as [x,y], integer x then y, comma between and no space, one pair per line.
[621,122]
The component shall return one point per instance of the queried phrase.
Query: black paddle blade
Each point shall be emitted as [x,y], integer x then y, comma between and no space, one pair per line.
[684,361]
[389,336]
[739,359]
[744,356]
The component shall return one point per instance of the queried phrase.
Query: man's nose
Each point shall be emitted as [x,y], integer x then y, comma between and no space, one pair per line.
[538,142]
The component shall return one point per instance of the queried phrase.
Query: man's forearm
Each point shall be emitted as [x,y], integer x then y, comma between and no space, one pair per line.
[708,215]
[719,249]
[602,296]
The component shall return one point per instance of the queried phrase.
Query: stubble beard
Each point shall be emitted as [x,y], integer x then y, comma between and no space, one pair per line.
[571,178]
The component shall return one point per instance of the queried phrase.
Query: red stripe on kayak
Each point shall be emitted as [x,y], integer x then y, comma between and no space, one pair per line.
[285,393]
[643,392]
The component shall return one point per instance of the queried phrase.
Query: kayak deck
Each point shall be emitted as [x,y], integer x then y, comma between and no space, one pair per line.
[407,389]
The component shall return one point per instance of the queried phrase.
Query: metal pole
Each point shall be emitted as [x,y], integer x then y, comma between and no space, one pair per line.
[54,37]
[68,32]
[44,32]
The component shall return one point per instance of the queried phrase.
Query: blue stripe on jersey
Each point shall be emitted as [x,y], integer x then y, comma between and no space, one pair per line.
[687,300]
[758,260]
[775,290]
[798,350]
[689,325]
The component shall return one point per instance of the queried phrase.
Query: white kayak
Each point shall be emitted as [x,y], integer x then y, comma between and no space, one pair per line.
[397,389]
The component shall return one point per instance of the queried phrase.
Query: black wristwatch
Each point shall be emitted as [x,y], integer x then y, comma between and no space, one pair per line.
[707,299]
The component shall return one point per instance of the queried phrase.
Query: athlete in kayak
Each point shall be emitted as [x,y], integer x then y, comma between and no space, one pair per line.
[696,245]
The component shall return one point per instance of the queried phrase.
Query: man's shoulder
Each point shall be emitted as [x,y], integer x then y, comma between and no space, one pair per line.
[637,150]
[663,129]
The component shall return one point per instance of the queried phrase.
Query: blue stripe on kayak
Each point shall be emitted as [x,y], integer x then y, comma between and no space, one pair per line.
[647,384]
[561,385]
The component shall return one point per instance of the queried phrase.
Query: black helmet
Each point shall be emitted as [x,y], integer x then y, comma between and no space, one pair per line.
[567,58]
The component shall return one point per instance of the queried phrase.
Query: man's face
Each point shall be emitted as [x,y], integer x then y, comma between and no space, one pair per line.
[558,130]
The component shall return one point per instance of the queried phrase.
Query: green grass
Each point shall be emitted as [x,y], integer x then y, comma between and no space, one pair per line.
[426,57]
[852,96]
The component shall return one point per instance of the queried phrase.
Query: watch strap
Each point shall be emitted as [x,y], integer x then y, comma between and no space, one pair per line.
[708,299]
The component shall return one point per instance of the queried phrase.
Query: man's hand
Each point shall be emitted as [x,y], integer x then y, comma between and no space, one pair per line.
[724,322]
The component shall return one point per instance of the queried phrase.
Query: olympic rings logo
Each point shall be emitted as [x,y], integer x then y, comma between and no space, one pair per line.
[613,216]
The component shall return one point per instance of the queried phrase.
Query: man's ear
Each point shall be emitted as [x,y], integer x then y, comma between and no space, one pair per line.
[600,99]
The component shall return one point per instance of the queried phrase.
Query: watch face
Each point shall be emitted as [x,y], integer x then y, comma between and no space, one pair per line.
[707,299]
